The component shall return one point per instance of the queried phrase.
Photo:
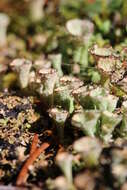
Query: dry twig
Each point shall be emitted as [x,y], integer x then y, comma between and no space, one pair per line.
[34,143]
[22,177]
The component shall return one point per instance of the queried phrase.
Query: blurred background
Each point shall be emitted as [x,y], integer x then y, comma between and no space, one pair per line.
[36,29]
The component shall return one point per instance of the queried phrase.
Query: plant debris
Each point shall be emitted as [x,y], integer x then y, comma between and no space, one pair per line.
[63,95]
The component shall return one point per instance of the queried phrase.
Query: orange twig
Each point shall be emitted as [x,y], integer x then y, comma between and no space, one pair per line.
[22,177]
[34,144]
